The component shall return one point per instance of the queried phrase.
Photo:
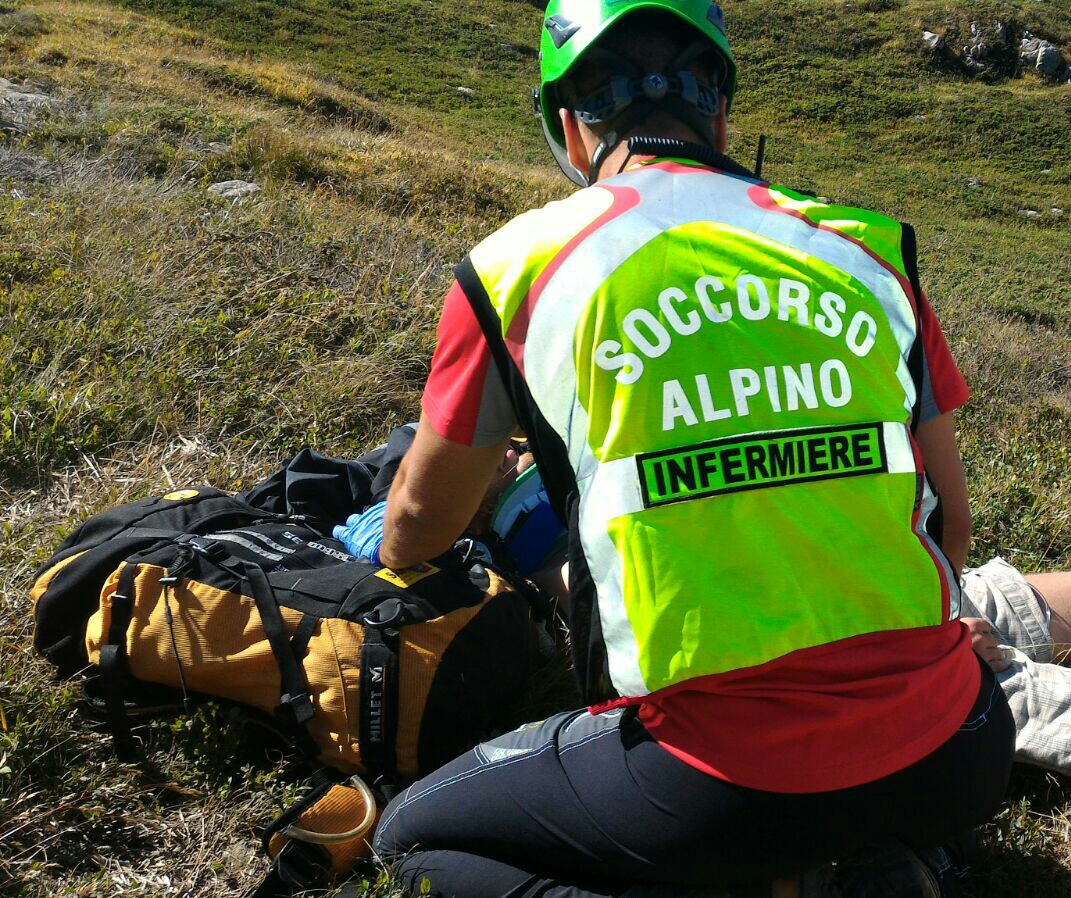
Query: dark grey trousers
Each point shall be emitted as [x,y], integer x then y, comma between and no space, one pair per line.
[578,806]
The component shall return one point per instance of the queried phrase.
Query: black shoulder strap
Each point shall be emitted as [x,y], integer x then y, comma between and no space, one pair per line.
[589,655]
[916,364]
[113,672]
[549,449]
[916,359]
[295,705]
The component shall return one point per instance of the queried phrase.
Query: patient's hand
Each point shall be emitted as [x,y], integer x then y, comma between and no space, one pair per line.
[511,466]
[984,643]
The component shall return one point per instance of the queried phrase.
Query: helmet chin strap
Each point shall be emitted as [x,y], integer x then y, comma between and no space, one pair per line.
[606,146]
[637,111]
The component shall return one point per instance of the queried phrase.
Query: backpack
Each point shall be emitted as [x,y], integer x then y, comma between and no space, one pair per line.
[66,589]
[382,674]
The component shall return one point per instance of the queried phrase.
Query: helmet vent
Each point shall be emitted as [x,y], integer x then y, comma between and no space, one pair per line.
[716,17]
[561,29]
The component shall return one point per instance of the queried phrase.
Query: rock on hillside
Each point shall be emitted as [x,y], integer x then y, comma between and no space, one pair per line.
[996,47]
[20,102]
[235,189]
[1044,57]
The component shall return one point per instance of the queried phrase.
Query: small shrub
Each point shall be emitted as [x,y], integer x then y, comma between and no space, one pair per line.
[270,153]
[21,24]
[52,56]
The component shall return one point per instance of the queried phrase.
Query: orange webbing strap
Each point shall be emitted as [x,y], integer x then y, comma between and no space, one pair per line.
[324,836]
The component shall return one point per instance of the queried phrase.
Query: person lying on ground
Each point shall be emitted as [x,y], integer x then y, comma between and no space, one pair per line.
[725,385]
[1019,625]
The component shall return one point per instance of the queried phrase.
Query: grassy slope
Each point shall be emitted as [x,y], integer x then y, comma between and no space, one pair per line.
[152,335]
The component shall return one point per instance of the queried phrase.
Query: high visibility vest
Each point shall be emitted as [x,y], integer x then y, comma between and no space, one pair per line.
[728,374]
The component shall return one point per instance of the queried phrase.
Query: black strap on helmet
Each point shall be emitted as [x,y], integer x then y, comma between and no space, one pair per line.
[612,100]
[631,94]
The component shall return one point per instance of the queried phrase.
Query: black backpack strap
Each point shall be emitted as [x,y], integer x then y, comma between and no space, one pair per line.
[299,642]
[113,672]
[295,705]
[298,867]
[378,717]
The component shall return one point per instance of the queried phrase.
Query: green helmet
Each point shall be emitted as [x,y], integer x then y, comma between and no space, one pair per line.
[571,27]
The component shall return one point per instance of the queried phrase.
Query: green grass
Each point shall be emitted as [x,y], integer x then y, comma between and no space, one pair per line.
[151,335]
[373,47]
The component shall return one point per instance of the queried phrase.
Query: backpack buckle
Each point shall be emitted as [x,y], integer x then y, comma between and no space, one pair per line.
[211,549]
[395,615]
[298,708]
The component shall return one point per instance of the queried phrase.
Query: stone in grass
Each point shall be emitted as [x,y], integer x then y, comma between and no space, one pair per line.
[1030,213]
[21,101]
[974,183]
[977,51]
[933,41]
[1050,61]
[230,190]
[1040,55]
[466,91]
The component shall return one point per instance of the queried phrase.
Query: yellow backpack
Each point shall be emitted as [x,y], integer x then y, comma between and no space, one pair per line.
[373,672]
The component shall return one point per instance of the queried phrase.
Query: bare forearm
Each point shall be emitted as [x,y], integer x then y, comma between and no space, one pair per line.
[956,538]
[435,494]
[408,540]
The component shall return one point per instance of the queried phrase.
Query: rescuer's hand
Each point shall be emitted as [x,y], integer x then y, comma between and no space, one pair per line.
[984,643]
[362,534]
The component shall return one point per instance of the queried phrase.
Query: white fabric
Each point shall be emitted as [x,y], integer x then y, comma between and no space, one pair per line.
[1038,692]
[613,491]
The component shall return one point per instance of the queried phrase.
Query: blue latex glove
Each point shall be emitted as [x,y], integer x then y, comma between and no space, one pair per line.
[362,534]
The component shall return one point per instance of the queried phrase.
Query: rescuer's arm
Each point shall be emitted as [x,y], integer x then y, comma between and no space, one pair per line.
[435,494]
[940,454]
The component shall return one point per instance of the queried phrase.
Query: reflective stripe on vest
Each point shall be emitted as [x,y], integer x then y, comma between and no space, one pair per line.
[727,366]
